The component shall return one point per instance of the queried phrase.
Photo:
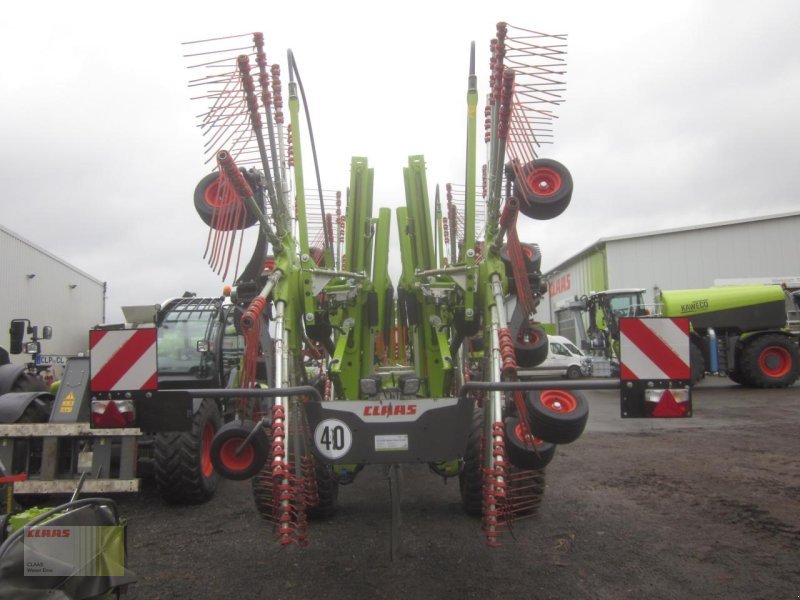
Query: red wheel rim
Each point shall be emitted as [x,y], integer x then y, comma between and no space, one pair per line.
[775,361]
[205,450]
[526,437]
[544,181]
[528,338]
[558,401]
[213,197]
[236,462]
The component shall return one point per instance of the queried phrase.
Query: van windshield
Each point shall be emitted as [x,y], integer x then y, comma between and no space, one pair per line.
[572,348]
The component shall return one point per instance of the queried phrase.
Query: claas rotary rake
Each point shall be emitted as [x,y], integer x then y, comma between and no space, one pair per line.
[356,374]
[342,370]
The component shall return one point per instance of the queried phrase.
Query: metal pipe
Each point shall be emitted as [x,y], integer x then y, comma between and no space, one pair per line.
[493,412]
[334,274]
[499,302]
[522,386]
[300,390]
[447,271]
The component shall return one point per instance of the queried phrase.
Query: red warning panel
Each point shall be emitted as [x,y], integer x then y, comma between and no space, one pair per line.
[654,348]
[123,360]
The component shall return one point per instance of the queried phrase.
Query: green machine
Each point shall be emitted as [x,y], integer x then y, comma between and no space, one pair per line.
[738,330]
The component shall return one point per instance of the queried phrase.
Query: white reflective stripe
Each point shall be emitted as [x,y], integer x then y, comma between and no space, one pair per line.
[140,372]
[637,361]
[108,345]
[673,336]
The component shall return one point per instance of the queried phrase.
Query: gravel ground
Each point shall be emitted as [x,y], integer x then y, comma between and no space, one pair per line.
[700,508]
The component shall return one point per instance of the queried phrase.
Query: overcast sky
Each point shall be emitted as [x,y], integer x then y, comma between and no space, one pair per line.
[677,113]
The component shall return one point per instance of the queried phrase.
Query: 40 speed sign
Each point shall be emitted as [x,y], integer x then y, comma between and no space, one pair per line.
[333,438]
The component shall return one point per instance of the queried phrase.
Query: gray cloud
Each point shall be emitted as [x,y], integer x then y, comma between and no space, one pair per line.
[676,114]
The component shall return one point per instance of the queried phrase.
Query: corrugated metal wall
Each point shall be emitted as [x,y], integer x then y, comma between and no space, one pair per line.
[58,294]
[694,258]
[585,274]
[679,259]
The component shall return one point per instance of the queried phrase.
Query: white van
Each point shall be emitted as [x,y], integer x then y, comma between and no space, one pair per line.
[564,359]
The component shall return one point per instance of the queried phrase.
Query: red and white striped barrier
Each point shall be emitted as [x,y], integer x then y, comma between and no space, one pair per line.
[654,348]
[655,369]
[123,360]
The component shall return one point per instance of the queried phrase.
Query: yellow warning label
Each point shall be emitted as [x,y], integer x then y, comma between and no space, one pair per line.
[70,397]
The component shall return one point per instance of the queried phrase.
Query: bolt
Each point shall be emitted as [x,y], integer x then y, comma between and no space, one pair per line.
[309,317]
[470,252]
[469,313]
[304,257]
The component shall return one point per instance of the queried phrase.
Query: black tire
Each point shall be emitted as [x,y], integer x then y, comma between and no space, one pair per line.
[328,491]
[736,377]
[532,255]
[206,199]
[13,378]
[182,463]
[574,372]
[470,480]
[543,188]
[533,455]
[557,416]
[27,456]
[38,411]
[249,461]
[697,363]
[530,345]
[769,361]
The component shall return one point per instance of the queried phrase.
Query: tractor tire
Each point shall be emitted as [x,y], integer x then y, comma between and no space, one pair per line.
[533,351]
[736,377]
[769,361]
[543,188]
[28,452]
[249,461]
[536,454]
[207,200]
[697,363]
[557,416]
[328,491]
[182,459]
[14,378]
[470,480]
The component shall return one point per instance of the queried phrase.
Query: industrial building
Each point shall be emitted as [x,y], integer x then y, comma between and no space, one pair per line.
[40,287]
[758,249]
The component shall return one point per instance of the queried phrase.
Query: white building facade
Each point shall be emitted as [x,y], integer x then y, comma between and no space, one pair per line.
[757,249]
[40,287]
